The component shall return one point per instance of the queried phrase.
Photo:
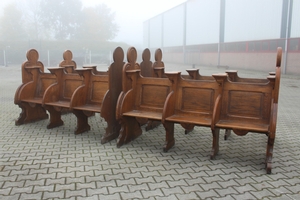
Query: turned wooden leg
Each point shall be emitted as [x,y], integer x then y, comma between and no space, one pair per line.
[55,117]
[130,130]
[31,113]
[82,122]
[170,141]
[269,154]
[215,145]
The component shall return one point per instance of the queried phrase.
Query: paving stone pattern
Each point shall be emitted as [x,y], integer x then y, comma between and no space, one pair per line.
[41,163]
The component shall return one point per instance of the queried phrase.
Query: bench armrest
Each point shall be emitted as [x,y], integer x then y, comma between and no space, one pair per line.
[24,91]
[169,106]
[193,73]
[273,119]
[159,72]
[79,97]
[125,103]
[118,105]
[51,94]
[216,111]
[107,106]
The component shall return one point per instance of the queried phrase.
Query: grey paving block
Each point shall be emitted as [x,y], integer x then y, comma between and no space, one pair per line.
[53,194]
[20,190]
[207,194]
[157,193]
[26,196]
[76,193]
[172,191]
[226,192]
[5,191]
[131,195]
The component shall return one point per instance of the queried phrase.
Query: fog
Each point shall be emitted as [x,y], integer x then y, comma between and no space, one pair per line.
[129,15]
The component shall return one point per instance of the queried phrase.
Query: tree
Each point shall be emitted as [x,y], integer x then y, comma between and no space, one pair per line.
[61,17]
[33,24]
[11,24]
[97,23]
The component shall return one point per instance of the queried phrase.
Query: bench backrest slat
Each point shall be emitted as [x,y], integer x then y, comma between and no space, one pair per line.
[246,101]
[98,86]
[151,93]
[196,96]
[43,82]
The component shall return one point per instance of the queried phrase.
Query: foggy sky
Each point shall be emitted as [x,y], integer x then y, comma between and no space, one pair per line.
[130,15]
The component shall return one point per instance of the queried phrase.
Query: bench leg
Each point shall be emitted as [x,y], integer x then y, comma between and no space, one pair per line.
[215,145]
[269,155]
[142,121]
[82,122]
[130,130]
[227,134]
[170,141]
[112,130]
[188,127]
[55,117]
[31,113]
[151,124]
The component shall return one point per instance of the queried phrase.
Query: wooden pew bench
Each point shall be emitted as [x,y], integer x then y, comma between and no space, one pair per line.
[87,98]
[151,69]
[145,100]
[192,103]
[99,94]
[58,95]
[35,81]
[251,107]
[132,69]
[29,96]
[232,75]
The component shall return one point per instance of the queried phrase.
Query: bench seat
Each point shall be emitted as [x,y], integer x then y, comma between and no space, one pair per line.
[89,107]
[60,103]
[243,125]
[144,114]
[37,100]
[203,120]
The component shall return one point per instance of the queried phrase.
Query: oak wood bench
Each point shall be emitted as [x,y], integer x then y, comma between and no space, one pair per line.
[141,97]
[99,94]
[29,96]
[250,107]
[58,95]
[35,81]
[191,103]
[145,100]
[232,75]
[151,69]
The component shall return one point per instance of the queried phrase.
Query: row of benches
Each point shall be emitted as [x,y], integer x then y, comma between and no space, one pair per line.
[129,95]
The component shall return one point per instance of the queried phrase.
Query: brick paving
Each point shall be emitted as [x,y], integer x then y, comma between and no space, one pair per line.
[41,163]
